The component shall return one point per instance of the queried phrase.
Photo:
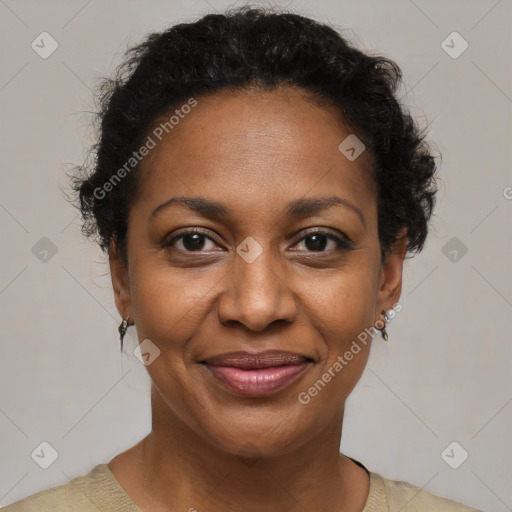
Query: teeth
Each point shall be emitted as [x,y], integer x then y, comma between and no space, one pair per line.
[261,366]
[255,363]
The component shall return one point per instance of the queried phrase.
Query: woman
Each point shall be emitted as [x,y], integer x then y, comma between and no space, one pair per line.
[257,187]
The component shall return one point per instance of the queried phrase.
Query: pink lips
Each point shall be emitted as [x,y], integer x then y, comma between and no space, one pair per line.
[257,374]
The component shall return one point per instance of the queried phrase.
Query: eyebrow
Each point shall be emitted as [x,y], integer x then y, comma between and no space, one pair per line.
[310,206]
[298,208]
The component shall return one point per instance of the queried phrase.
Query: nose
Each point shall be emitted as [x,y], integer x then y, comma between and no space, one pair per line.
[257,294]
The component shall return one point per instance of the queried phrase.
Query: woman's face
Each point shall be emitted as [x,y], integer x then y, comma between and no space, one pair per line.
[256,278]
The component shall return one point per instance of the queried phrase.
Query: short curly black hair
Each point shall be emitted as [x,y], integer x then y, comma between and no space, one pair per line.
[254,47]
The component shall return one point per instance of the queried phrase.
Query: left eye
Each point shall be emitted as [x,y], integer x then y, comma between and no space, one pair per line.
[317,241]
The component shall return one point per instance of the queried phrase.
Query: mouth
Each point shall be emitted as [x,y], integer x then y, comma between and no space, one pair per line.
[262,374]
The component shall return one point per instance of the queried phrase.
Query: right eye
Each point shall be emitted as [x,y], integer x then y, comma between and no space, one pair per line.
[192,240]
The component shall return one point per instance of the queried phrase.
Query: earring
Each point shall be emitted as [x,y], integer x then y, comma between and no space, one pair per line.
[383,332]
[123,327]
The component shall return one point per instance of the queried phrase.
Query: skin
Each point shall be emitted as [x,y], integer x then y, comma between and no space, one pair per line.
[254,152]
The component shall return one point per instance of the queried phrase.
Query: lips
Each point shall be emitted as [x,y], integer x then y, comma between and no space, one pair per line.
[257,374]
[251,361]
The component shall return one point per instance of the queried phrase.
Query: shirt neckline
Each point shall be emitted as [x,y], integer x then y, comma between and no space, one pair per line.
[116,492]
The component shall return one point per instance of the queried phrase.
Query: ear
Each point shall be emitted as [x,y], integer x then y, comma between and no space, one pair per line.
[391,274]
[120,282]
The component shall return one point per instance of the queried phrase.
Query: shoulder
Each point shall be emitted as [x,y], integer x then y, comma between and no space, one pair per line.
[391,495]
[97,490]
[49,499]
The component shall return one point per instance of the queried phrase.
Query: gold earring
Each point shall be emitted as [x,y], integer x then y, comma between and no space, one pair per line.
[123,327]
[383,332]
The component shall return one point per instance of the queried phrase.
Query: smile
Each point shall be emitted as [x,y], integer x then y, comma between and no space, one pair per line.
[256,381]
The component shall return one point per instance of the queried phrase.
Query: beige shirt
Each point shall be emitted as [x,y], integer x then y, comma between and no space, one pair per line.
[99,490]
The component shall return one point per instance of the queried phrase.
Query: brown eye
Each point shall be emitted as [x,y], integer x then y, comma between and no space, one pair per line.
[319,241]
[191,241]
[316,242]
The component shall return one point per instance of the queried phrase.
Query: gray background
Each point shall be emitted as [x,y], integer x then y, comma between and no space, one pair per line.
[444,375]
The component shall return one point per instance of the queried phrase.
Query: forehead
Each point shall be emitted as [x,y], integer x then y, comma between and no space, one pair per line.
[253,144]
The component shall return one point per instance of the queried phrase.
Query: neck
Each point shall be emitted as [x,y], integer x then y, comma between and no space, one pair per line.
[179,467]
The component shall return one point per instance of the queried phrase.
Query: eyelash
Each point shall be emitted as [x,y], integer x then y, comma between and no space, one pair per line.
[343,242]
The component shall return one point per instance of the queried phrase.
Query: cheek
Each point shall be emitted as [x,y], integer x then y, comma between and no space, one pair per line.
[341,309]
[346,342]
[343,303]
[170,303]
